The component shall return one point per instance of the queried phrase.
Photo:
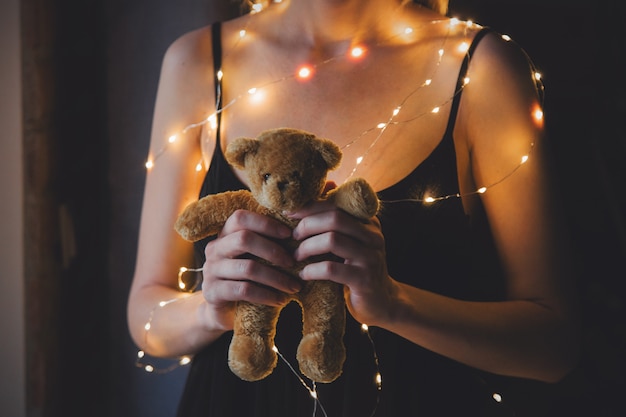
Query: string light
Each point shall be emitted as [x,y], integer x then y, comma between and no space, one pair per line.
[304,73]
[183,286]
[312,389]
[148,367]
[357,52]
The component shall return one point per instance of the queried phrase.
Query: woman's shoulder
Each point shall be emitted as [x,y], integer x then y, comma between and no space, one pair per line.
[495,52]
[193,47]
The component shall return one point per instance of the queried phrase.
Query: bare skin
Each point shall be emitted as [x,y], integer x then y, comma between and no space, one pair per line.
[532,334]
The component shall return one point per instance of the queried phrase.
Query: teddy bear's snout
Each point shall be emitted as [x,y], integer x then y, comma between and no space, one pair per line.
[282,185]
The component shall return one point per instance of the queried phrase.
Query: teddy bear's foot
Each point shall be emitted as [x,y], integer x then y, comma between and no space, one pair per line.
[251,357]
[321,357]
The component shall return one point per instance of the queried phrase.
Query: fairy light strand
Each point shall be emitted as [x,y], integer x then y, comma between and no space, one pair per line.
[183,360]
[311,389]
[308,70]
[303,73]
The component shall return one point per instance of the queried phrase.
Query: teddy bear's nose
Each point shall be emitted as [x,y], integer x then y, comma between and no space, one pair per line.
[282,185]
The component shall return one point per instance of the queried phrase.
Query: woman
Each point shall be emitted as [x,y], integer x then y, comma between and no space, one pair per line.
[464,277]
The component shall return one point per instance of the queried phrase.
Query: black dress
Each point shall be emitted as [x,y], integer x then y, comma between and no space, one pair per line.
[454,256]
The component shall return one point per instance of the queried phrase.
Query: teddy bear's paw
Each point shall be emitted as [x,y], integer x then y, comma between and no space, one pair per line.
[251,358]
[321,357]
[358,198]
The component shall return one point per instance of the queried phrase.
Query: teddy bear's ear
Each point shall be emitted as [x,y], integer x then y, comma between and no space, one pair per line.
[330,152]
[238,149]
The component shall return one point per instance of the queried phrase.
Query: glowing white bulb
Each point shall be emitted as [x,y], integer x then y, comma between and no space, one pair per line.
[220,75]
[429,200]
[396,111]
[381,125]
[184,360]
[149,368]
[172,139]
[408,31]
[242,33]
[313,394]
[463,47]
[162,303]
[147,326]
[149,164]
[497,397]
[305,72]
[524,159]
[141,354]
[435,110]
[454,21]
[199,167]
[357,52]
[466,80]
[482,190]
[275,349]
[359,160]
[428,82]
[506,38]
[257,97]
[364,327]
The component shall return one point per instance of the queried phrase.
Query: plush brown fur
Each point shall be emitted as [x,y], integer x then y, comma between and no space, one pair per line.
[286,169]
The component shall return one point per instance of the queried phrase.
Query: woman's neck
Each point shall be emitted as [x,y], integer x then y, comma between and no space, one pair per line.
[319,24]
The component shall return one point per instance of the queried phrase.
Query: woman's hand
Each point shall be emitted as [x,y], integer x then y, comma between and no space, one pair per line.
[369,290]
[230,276]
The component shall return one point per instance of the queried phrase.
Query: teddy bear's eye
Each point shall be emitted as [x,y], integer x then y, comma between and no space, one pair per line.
[266,177]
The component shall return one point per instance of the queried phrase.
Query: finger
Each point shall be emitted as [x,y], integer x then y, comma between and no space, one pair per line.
[330,185]
[253,271]
[227,291]
[247,220]
[247,242]
[340,222]
[336,243]
[320,271]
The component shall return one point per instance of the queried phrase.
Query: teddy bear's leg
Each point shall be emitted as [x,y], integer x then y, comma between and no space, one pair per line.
[321,352]
[356,197]
[251,356]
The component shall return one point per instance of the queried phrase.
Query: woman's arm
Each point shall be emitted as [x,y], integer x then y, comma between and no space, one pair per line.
[533,334]
[172,183]
[195,320]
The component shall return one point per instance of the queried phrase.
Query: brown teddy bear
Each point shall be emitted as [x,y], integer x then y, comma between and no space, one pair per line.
[286,169]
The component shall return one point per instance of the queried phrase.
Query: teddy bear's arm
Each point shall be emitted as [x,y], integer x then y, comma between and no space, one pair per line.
[357,198]
[207,216]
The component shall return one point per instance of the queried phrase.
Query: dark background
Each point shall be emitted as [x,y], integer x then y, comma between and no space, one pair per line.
[103,59]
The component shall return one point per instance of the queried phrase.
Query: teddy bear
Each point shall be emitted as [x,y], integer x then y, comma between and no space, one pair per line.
[286,169]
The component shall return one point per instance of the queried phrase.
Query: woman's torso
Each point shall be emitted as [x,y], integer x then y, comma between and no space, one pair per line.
[433,246]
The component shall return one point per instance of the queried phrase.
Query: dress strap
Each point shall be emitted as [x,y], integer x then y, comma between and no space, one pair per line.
[216,39]
[461,80]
